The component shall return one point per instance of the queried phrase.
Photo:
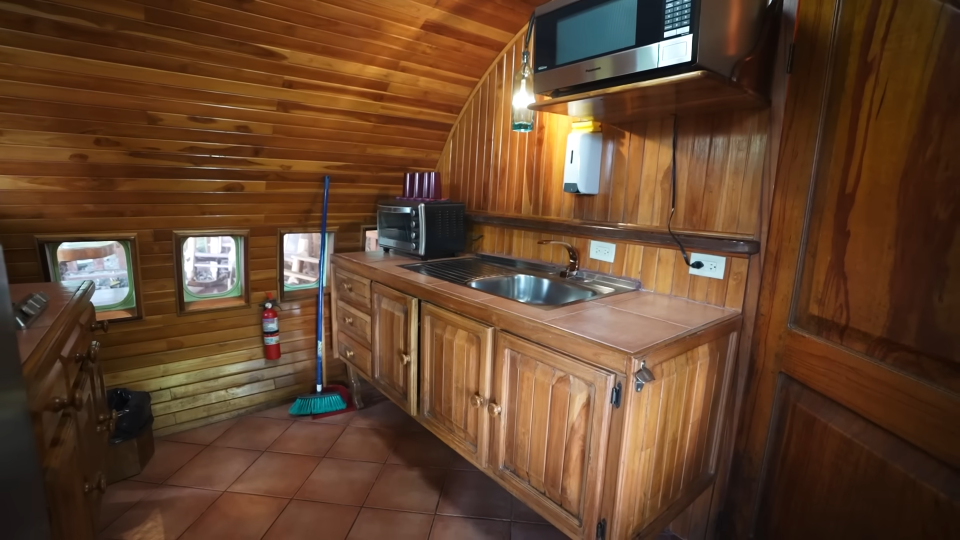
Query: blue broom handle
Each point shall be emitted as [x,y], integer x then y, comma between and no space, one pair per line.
[322,276]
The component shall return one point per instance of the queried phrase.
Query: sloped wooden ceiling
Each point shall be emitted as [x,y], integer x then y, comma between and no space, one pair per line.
[154,116]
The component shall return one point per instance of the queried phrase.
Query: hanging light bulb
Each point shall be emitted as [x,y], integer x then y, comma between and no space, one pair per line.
[523,89]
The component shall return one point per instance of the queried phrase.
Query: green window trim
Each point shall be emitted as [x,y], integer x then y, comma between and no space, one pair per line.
[128,302]
[326,267]
[233,292]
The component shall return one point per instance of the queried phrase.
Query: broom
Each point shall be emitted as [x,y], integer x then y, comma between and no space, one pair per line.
[321,402]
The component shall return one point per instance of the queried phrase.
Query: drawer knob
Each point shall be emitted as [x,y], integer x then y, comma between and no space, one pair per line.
[347,286]
[348,320]
[477,401]
[349,354]
[493,409]
[58,404]
[405,359]
[100,484]
[93,352]
[104,326]
[107,422]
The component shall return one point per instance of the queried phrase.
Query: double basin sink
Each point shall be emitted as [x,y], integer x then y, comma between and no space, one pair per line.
[524,281]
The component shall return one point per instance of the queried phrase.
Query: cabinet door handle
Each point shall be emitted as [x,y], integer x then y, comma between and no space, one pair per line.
[347,286]
[100,325]
[348,353]
[100,484]
[93,352]
[493,409]
[477,401]
[405,359]
[348,320]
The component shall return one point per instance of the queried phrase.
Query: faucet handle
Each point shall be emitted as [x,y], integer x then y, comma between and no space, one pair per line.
[574,254]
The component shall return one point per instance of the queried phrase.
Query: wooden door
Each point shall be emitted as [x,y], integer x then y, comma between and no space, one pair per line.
[851,422]
[551,422]
[395,355]
[455,366]
[68,488]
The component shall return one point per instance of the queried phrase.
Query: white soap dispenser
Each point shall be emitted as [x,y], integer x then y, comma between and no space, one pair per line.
[581,164]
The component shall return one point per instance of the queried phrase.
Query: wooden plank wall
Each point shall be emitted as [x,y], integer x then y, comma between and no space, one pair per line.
[150,116]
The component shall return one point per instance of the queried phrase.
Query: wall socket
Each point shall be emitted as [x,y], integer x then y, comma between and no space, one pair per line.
[713,266]
[603,251]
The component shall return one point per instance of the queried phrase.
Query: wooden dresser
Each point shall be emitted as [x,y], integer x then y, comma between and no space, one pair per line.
[68,406]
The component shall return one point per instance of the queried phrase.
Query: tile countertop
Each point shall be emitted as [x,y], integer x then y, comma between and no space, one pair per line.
[630,322]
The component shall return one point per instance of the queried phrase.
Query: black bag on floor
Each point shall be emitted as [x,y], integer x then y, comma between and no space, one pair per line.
[133,413]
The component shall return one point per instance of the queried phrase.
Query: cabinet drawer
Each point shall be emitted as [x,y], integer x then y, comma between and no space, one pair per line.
[352,288]
[350,350]
[353,322]
[49,402]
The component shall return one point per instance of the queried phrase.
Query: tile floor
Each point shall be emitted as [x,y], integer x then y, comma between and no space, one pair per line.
[372,474]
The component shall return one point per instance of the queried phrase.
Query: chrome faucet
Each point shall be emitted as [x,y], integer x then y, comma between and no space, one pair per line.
[574,264]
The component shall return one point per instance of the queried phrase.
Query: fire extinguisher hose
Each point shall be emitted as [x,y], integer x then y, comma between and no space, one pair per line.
[321,402]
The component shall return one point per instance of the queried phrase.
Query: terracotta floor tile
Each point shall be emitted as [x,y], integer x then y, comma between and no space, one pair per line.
[422,450]
[411,489]
[535,531]
[119,498]
[281,412]
[522,512]
[163,514]
[364,444]
[341,419]
[305,520]
[461,463]
[236,516]
[168,457]
[340,481]
[214,468]
[383,415]
[202,435]
[456,528]
[376,524]
[474,494]
[277,475]
[310,438]
[253,433]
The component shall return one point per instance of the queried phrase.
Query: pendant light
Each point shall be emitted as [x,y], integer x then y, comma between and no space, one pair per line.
[523,88]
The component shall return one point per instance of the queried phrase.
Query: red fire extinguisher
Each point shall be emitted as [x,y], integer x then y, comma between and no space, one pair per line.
[271,329]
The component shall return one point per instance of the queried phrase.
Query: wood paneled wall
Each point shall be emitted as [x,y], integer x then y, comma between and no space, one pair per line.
[720,161]
[150,116]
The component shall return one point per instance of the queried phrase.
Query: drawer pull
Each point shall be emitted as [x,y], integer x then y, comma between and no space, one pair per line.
[493,409]
[93,352]
[405,359]
[347,287]
[100,484]
[349,354]
[58,404]
[348,320]
[477,401]
[107,422]
[104,326]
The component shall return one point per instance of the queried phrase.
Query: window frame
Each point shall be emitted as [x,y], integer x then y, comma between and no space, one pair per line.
[133,270]
[308,292]
[205,305]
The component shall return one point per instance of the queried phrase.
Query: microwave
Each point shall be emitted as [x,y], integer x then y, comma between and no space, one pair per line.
[583,45]
[424,229]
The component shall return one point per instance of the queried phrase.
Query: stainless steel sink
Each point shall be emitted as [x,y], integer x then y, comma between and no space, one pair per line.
[524,281]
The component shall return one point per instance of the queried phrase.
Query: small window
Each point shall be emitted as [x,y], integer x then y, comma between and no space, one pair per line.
[300,263]
[109,263]
[211,271]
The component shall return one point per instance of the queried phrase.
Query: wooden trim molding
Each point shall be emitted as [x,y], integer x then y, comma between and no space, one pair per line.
[731,245]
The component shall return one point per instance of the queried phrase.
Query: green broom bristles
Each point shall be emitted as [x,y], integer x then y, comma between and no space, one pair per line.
[317,404]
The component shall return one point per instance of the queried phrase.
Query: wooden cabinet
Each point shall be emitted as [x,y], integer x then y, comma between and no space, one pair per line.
[456,366]
[550,419]
[67,403]
[395,336]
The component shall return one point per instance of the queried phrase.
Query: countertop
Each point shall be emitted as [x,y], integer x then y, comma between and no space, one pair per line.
[631,323]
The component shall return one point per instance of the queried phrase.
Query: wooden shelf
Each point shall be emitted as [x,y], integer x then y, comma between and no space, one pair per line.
[698,92]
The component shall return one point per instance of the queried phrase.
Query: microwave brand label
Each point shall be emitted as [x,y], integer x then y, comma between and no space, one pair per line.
[540,68]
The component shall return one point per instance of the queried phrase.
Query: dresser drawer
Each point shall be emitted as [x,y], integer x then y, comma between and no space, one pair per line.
[352,288]
[353,322]
[352,351]
[49,401]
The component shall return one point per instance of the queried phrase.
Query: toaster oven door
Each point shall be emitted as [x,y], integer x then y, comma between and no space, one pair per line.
[398,227]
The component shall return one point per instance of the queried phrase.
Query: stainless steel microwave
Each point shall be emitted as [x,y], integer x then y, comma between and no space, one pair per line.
[583,45]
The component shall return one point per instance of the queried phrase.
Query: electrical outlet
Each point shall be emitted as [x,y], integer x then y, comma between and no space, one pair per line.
[602,251]
[713,266]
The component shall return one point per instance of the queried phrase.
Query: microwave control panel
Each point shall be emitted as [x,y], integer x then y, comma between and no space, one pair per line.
[676,18]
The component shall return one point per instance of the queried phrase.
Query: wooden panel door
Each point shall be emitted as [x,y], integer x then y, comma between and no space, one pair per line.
[395,355]
[851,422]
[551,421]
[455,365]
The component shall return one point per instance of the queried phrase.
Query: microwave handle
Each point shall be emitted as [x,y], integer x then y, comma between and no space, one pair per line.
[397,209]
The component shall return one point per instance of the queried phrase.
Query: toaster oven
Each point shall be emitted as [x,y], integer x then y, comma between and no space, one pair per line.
[424,229]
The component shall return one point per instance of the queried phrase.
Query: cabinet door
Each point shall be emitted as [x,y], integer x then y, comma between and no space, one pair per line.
[68,489]
[551,419]
[92,441]
[455,365]
[395,346]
